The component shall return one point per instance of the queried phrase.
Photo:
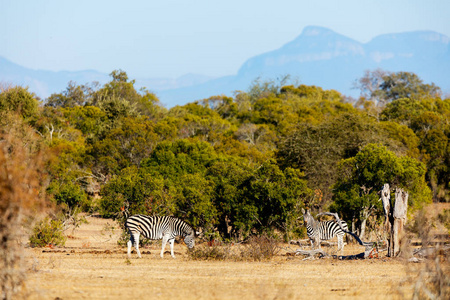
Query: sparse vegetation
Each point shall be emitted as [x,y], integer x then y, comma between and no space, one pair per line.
[431,278]
[48,233]
[256,248]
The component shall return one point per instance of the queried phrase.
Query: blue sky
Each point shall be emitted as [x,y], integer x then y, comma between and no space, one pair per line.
[170,38]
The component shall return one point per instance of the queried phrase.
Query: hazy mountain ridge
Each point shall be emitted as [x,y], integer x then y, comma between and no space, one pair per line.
[317,56]
[320,56]
[44,83]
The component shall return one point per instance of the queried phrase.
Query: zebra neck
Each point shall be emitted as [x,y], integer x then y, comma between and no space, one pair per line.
[314,224]
[187,231]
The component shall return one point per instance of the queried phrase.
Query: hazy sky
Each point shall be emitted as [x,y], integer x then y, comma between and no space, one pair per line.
[169,38]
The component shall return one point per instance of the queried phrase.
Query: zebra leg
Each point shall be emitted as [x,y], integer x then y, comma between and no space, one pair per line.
[171,242]
[136,243]
[164,242]
[129,243]
[340,239]
[317,242]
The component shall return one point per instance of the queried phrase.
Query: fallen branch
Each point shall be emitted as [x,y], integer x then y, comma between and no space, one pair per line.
[312,253]
[306,242]
[338,221]
[431,251]
[300,242]
[369,252]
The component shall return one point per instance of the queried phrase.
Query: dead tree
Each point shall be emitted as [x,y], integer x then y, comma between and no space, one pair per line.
[395,217]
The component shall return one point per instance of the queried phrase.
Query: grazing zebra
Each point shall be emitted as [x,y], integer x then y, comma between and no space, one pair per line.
[318,231]
[157,227]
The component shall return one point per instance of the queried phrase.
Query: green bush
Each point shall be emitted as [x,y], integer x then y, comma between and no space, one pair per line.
[71,195]
[48,232]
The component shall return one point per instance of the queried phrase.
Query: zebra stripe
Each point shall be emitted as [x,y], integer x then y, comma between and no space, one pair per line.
[318,231]
[158,227]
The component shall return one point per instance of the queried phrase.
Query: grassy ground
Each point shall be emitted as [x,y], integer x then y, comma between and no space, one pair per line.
[92,266]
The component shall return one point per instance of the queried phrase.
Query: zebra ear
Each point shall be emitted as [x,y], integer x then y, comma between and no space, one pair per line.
[303,211]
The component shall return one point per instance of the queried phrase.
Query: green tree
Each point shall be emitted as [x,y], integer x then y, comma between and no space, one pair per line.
[143,194]
[273,197]
[361,177]
[74,95]
[21,101]
[405,85]
[429,119]
[317,149]
[195,201]
[90,120]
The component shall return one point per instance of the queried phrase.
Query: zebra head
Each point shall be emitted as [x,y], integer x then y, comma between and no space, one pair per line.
[307,218]
[190,240]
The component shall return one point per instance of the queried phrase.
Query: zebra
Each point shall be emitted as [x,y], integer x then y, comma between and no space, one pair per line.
[158,227]
[318,231]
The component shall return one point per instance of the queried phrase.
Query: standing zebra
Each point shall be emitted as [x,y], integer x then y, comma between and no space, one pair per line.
[318,231]
[157,227]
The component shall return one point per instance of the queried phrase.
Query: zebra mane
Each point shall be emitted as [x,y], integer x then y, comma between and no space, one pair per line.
[187,229]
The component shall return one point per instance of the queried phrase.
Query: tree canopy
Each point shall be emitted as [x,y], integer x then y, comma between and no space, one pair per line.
[234,166]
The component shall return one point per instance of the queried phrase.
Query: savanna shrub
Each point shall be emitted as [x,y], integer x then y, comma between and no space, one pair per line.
[261,247]
[257,248]
[48,232]
[209,253]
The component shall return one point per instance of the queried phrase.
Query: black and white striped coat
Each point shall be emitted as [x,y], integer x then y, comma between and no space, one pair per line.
[158,227]
[319,231]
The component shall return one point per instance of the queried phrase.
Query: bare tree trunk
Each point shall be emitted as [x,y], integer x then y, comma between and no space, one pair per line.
[386,198]
[400,210]
[363,227]
[395,217]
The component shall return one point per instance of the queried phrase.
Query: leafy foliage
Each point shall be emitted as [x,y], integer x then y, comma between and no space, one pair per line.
[21,101]
[48,232]
[362,176]
[236,166]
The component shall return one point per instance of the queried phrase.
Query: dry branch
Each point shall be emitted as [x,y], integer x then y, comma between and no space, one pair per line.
[432,251]
[338,221]
[369,252]
[311,253]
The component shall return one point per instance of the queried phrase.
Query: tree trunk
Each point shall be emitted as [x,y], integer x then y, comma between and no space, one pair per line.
[400,210]
[363,228]
[395,217]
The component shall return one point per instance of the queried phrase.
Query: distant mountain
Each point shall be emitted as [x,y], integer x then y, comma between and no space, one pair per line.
[45,83]
[318,56]
[322,57]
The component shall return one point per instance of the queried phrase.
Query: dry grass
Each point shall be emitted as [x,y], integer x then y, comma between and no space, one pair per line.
[92,266]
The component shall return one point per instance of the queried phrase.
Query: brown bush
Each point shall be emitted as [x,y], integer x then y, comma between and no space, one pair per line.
[257,248]
[430,279]
[21,196]
[261,247]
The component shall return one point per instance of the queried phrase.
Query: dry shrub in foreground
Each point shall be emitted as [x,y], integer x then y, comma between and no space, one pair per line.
[20,164]
[430,278]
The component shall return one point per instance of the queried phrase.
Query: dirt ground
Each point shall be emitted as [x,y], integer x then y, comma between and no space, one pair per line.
[93,266]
